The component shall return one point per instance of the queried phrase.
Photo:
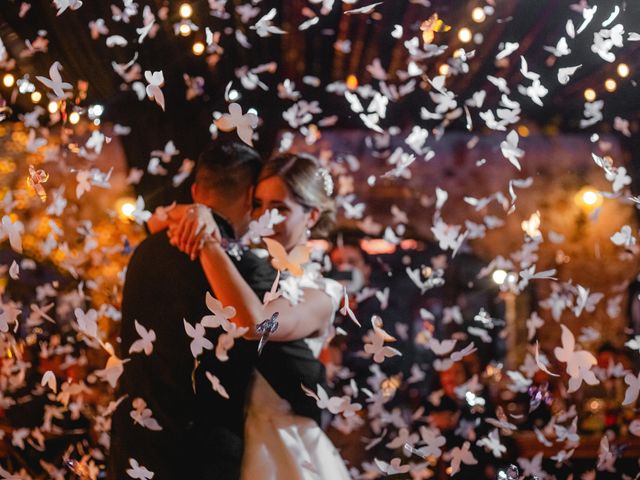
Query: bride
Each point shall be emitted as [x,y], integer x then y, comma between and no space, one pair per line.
[278,443]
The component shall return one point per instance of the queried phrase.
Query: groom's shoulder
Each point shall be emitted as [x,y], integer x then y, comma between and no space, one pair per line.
[157,242]
[155,253]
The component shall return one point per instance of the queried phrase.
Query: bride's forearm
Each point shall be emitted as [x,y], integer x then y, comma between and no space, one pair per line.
[294,321]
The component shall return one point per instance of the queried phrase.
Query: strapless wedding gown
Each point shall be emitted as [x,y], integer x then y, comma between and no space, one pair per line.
[280,445]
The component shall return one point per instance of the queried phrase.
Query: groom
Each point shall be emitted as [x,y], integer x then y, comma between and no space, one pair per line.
[171,421]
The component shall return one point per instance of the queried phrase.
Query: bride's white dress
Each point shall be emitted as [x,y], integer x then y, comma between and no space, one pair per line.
[280,445]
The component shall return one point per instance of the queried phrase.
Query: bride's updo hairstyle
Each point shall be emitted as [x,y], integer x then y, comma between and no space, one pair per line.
[310,185]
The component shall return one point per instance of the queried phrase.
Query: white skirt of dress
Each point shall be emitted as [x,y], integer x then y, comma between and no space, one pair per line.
[280,445]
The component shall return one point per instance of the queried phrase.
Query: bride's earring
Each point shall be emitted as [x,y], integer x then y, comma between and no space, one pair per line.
[308,232]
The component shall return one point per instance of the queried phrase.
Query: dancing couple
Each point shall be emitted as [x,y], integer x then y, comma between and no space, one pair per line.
[196,400]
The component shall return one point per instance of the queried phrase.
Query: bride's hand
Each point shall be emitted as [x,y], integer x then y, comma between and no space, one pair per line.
[163,215]
[189,232]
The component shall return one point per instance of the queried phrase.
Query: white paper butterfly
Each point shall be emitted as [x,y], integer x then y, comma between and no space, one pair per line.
[510,150]
[378,350]
[217,386]
[55,82]
[13,231]
[394,467]
[631,394]
[433,440]
[533,466]
[443,347]
[579,362]
[263,226]
[624,237]
[145,342]
[198,343]
[138,471]
[49,379]
[564,74]
[220,315]
[492,443]
[62,5]
[244,124]
[292,261]
[264,27]
[88,322]
[461,456]
[139,214]
[346,309]
[155,80]
[143,415]
[333,404]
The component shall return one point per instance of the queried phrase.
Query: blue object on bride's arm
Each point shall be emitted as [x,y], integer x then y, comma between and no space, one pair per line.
[265,329]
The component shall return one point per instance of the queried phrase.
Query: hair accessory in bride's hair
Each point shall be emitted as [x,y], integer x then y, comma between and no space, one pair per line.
[327,180]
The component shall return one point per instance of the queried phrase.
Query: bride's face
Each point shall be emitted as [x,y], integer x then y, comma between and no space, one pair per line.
[271,193]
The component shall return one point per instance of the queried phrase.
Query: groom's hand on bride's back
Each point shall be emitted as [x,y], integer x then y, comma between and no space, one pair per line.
[189,231]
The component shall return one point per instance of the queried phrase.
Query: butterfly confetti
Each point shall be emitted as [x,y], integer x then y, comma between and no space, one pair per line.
[54,82]
[155,80]
[244,124]
[431,26]
[145,342]
[292,262]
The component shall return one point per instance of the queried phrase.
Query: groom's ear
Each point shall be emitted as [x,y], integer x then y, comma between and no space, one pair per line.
[194,192]
[249,197]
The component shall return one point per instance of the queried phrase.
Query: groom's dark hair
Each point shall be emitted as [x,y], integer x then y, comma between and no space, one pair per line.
[228,168]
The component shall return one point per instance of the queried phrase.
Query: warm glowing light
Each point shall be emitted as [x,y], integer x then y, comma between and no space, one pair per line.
[352,82]
[589,94]
[408,244]
[588,198]
[186,10]
[610,85]
[52,107]
[595,404]
[198,48]
[499,276]
[377,246]
[36,97]
[431,25]
[465,35]
[125,207]
[95,111]
[478,15]
[443,69]
[74,117]
[389,385]
[523,131]
[623,70]
[185,30]
[8,80]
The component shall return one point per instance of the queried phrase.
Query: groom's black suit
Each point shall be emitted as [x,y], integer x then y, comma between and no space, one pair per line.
[202,433]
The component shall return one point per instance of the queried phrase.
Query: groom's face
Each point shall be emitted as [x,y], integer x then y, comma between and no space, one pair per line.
[234,207]
[244,216]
